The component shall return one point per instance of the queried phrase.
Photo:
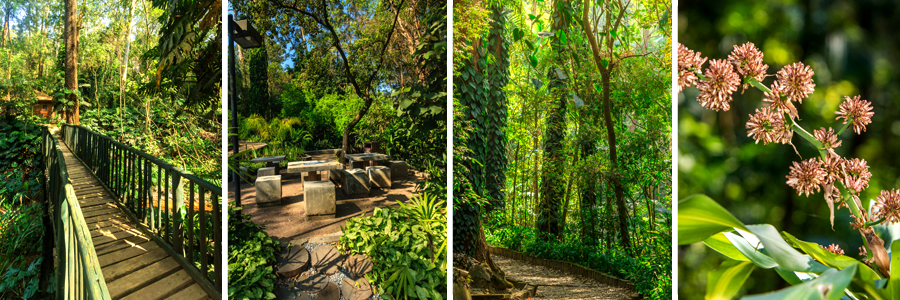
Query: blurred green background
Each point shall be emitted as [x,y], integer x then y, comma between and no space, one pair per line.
[853,48]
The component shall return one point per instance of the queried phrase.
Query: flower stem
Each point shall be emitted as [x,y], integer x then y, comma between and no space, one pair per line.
[700,75]
[873,223]
[849,121]
[809,138]
[757,84]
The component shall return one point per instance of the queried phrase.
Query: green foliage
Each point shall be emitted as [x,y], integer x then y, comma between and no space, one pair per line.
[407,246]
[766,248]
[21,233]
[251,256]
[20,160]
[189,51]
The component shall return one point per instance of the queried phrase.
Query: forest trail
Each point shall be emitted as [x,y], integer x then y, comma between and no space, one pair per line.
[554,284]
[133,265]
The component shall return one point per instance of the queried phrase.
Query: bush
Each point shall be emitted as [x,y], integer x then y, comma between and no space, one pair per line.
[251,256]
[20,160]
[407,245]
[21,233]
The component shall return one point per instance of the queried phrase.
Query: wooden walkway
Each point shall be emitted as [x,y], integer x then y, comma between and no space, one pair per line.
[134,266]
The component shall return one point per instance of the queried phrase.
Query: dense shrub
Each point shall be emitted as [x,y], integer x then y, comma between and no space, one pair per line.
[407,246]
[21,232]
[20,160]
[251,256]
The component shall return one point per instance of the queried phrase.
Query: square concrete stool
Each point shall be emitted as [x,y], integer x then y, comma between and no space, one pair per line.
[355,182]
[268,190]
[269,171]
[245,175]
[336,176]
[319,199]
[398,169]
[380,176]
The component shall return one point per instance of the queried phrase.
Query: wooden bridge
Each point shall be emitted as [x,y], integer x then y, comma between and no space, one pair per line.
[121,224]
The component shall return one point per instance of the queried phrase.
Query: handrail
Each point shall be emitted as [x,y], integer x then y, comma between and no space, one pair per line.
[153,193]
[78,274]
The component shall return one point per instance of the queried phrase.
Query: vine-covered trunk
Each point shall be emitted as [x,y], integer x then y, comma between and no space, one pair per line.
[551,176]
[497,76]
[71,62]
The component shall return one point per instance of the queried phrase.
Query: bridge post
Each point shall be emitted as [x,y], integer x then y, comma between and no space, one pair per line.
[178,228]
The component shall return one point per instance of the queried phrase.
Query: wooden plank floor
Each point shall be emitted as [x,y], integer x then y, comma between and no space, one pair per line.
[134,266]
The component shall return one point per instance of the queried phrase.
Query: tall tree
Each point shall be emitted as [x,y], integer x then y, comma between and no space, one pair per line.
[606,63]
[496,76]
[71,64]
[481,80]
[362,74]
[552,190]
[124,76]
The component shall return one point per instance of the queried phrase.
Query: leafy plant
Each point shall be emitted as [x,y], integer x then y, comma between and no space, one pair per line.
[21,233]
[407,246]
[251,256]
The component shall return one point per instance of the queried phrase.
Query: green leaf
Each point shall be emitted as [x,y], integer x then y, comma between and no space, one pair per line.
[604,62]
[598,88]
[533,61]
[785,255]
[831,283]
[721,244]
[894,283]
[724,282]
[518,34]
[820,254]
[749,249]
[405,103]
[699,217]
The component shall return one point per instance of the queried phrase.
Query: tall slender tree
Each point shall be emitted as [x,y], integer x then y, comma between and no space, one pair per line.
[606,63]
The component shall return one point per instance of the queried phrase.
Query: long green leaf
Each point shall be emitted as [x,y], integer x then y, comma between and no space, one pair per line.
[830,285]
[724,282]
[749,249]
[700,217]
[894,283]
[786,256]
[721,244]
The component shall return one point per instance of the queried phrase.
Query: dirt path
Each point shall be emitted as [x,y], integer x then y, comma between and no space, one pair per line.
[553,284]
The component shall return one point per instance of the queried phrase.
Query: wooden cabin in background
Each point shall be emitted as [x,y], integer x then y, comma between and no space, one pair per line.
[44,105]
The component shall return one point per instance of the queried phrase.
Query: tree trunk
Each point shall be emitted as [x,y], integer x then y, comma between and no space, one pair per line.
[496,76]
[124,77]
[617,186]
[588,197]
[71,61]
[551,177]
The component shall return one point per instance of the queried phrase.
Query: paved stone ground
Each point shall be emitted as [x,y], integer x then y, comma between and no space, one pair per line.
[291,288]
[553,284]
[288,223]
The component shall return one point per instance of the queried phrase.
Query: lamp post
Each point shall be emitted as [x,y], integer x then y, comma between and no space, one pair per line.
[245,35]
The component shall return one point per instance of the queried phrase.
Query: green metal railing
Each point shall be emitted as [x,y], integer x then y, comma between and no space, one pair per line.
[180,210]
[78,274]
